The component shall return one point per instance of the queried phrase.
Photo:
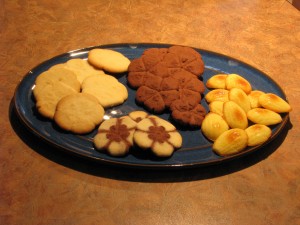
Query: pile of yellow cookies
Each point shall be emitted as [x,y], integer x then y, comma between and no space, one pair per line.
[74,94]
[233,107]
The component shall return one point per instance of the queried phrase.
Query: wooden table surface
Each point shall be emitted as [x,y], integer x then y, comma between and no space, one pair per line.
[41,185]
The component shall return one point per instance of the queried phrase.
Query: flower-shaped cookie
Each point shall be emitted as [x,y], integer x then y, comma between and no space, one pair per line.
[158,135]
[184,113]
[115,136]
[137,116]
[163,76]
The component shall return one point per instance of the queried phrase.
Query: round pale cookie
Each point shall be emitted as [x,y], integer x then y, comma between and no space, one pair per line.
[158,135]
[79,113]
[107,89]
[82,69]
[109,60]
[48,96]
[58,74]
[50,87]
[115,136]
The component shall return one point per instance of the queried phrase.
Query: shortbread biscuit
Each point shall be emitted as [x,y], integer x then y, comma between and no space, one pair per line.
[107,89]
[108,60]
[80,67]
[78,113]
[51,86]
[115,136]
[48,96]
[55,75]
[158,135]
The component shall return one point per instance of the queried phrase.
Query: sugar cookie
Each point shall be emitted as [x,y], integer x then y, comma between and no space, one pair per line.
[109,60]
[51,86]
[107,89]
[55,75]
[80,67]
[79,113]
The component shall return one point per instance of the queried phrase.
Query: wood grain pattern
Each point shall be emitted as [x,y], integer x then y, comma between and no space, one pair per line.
[39,185]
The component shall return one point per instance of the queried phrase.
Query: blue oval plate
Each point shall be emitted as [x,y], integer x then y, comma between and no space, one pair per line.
[196,149]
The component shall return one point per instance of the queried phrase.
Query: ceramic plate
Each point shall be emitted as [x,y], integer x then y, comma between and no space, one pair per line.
[196,149]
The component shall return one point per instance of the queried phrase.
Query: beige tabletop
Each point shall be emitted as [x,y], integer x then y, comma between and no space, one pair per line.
[41,185]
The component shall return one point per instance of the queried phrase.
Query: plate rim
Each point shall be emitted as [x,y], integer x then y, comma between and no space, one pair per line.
[25,122]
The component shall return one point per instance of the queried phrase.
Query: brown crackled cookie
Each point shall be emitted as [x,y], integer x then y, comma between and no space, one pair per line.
[184,113]
[185,58]
[166,78]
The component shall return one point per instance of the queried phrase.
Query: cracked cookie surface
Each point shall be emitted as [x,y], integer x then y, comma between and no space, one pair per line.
[167,76]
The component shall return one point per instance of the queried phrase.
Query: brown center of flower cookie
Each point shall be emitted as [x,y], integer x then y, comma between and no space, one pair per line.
[118,132]
[158,134]
[115,135]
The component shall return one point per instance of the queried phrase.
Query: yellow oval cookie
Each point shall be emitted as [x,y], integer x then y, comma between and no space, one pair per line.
[239,96]
[217,95]
[274,102]
[217,81]
[253,98]
[234,115]
[231,142]
[258,134]
[264,116]
[213,126]
[216,107]
[237,81]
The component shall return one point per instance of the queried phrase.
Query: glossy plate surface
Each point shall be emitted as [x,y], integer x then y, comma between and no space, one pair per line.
[196,150]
